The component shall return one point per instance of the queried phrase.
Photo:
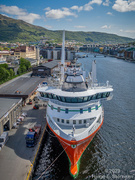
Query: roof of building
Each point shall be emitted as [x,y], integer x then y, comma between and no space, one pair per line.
[6,104]
[22,85]
[50,64]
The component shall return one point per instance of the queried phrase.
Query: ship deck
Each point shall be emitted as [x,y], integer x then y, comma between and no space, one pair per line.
[69,129]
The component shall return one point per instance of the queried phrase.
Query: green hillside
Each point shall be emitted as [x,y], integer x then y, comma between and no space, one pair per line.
[12,30]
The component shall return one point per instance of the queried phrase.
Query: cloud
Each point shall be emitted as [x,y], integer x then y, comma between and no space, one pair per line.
[109,13]
[130,31]
[5,15]
[19,13]
[106,3]
[62,13]
[124,5]
[47,9]
[77,8]
[106,27]
[95,2]
[58,13]
[30,18]
[127,31]
[13,10]
[80,27]
[86,7]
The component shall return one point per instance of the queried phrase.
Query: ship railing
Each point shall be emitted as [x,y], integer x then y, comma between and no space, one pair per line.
[51,85]
[53,125]
[100,85]
[95,126]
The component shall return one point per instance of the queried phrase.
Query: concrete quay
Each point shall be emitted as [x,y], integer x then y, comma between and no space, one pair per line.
[15,158]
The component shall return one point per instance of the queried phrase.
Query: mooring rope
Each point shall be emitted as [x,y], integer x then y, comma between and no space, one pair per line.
[52,163]
[50,134]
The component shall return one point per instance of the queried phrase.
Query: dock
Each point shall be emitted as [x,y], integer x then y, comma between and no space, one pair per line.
[16,160]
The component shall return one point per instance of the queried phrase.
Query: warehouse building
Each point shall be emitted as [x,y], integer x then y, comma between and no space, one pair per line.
[10,110]
[45,69]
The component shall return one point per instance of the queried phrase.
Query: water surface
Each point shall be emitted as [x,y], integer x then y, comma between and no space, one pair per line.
[111,154]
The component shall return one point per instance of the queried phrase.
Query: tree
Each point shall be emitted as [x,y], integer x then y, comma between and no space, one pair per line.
[1,73]
[23,68]
[26,63]
[4,74]
[4,65]
[12,73]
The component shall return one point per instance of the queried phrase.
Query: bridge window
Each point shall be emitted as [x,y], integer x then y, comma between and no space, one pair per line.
[80,99]
[107,94]
[54,96]
[85,99]
[74,100]
[93,97]
[42,94]
[58,119]
[99,95]
[50,95]
[62,120]
[104,95]
[45,95]
[68,99]
[89,98]
[63,99]
[59,98]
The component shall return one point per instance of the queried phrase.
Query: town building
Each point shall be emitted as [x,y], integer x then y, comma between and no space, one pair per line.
[10,110]
[45,69]
[25,52]
[5,54]
[55,53]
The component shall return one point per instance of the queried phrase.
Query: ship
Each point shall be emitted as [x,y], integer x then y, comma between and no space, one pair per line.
[74,108]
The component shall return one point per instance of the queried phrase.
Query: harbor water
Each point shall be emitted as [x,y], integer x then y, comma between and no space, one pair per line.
[111,154]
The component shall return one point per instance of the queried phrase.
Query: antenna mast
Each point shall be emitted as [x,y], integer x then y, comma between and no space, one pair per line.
[63,57]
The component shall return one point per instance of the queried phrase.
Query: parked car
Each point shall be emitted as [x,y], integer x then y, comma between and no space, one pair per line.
[3,139]
[35,106]
[24,114]
[16,125]
[35,98]
[30,102]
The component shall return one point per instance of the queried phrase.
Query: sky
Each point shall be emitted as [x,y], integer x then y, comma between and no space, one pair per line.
[110,16]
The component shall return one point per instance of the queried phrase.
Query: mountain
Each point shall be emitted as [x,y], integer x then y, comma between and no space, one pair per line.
[12,30]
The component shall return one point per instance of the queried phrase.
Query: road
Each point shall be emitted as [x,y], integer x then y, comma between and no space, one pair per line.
[15,157]
[24,84]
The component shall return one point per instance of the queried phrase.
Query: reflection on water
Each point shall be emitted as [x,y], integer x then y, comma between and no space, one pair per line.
[111,153]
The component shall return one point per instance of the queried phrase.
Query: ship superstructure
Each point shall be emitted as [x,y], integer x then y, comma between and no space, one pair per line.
[74,111]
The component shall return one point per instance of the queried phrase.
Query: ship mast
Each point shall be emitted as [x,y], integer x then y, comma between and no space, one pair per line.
[94,79]
[63,57]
